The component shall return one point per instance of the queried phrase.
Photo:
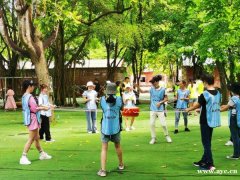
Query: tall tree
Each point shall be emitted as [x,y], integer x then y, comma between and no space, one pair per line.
[30,36]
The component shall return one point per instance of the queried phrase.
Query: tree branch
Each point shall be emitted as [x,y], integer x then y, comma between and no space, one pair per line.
[8,40]
[51,38]
[80,49]
[105,14]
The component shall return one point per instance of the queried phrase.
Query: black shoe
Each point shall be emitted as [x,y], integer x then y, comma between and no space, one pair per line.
[176,131]
[199,163]
[93,132]
[187,130]
[232,157]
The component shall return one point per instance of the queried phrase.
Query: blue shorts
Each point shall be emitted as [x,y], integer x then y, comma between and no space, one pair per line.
[114,138]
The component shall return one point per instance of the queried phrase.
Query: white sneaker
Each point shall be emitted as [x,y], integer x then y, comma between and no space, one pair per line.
[229,143]
[44,156]
[127,129]
[121,167]
[89,132]
[153,141]
[132,128]
[169,140]
[24,160]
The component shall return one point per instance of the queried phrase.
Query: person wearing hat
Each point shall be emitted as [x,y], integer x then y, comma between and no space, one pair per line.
[129,100]
[110,126]
[90,97]
[234,119]
[31,118]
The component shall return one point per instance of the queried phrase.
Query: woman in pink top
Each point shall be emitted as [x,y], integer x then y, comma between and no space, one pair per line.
[10,102]
[28,87]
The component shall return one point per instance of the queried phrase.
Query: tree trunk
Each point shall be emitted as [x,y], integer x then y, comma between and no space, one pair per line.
[59,72]
[221,70]
[41,70]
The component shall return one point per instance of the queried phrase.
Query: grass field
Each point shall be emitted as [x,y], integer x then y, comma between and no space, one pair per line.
[76,154]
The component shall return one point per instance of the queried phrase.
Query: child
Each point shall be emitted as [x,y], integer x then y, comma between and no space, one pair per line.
[234,119]
[129,100]
[209,101]
[32,121]
[182,103]
[10,102]
[43,100]
[110,126]
[91,99]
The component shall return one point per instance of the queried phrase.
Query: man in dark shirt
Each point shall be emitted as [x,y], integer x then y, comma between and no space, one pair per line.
[206,161]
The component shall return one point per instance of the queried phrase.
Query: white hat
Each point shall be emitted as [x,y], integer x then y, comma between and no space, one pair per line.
[90,83]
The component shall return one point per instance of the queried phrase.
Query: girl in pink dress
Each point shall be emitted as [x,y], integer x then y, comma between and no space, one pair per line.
[32,121]
[10,102]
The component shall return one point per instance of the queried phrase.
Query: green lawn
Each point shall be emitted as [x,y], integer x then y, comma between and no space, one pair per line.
[76,154]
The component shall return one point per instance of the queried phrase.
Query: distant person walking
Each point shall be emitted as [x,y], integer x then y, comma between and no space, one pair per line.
[31,118]
[10,102]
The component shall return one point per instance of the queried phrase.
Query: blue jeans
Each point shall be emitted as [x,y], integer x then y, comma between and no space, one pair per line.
[206,135]
[235,133]
[177,117]
[91,120]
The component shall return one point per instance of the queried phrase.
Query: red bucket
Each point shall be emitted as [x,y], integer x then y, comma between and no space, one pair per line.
[130,111]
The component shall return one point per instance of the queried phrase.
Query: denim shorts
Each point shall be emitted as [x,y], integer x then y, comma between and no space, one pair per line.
[114,138]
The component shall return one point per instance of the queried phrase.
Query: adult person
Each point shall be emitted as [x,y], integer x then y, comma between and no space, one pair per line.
[119,88]
[192,87]
[158,97]
[182,103]
[43,100]
[209,101]
[234,119]
[10,102]
[32,121]
[110,126]
[90,98]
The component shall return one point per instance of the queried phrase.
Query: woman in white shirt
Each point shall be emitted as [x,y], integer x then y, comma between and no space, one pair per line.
[90,97]
[129,100]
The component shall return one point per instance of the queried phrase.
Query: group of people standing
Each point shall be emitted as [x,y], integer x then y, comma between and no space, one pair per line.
[116,98]
[91,98]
